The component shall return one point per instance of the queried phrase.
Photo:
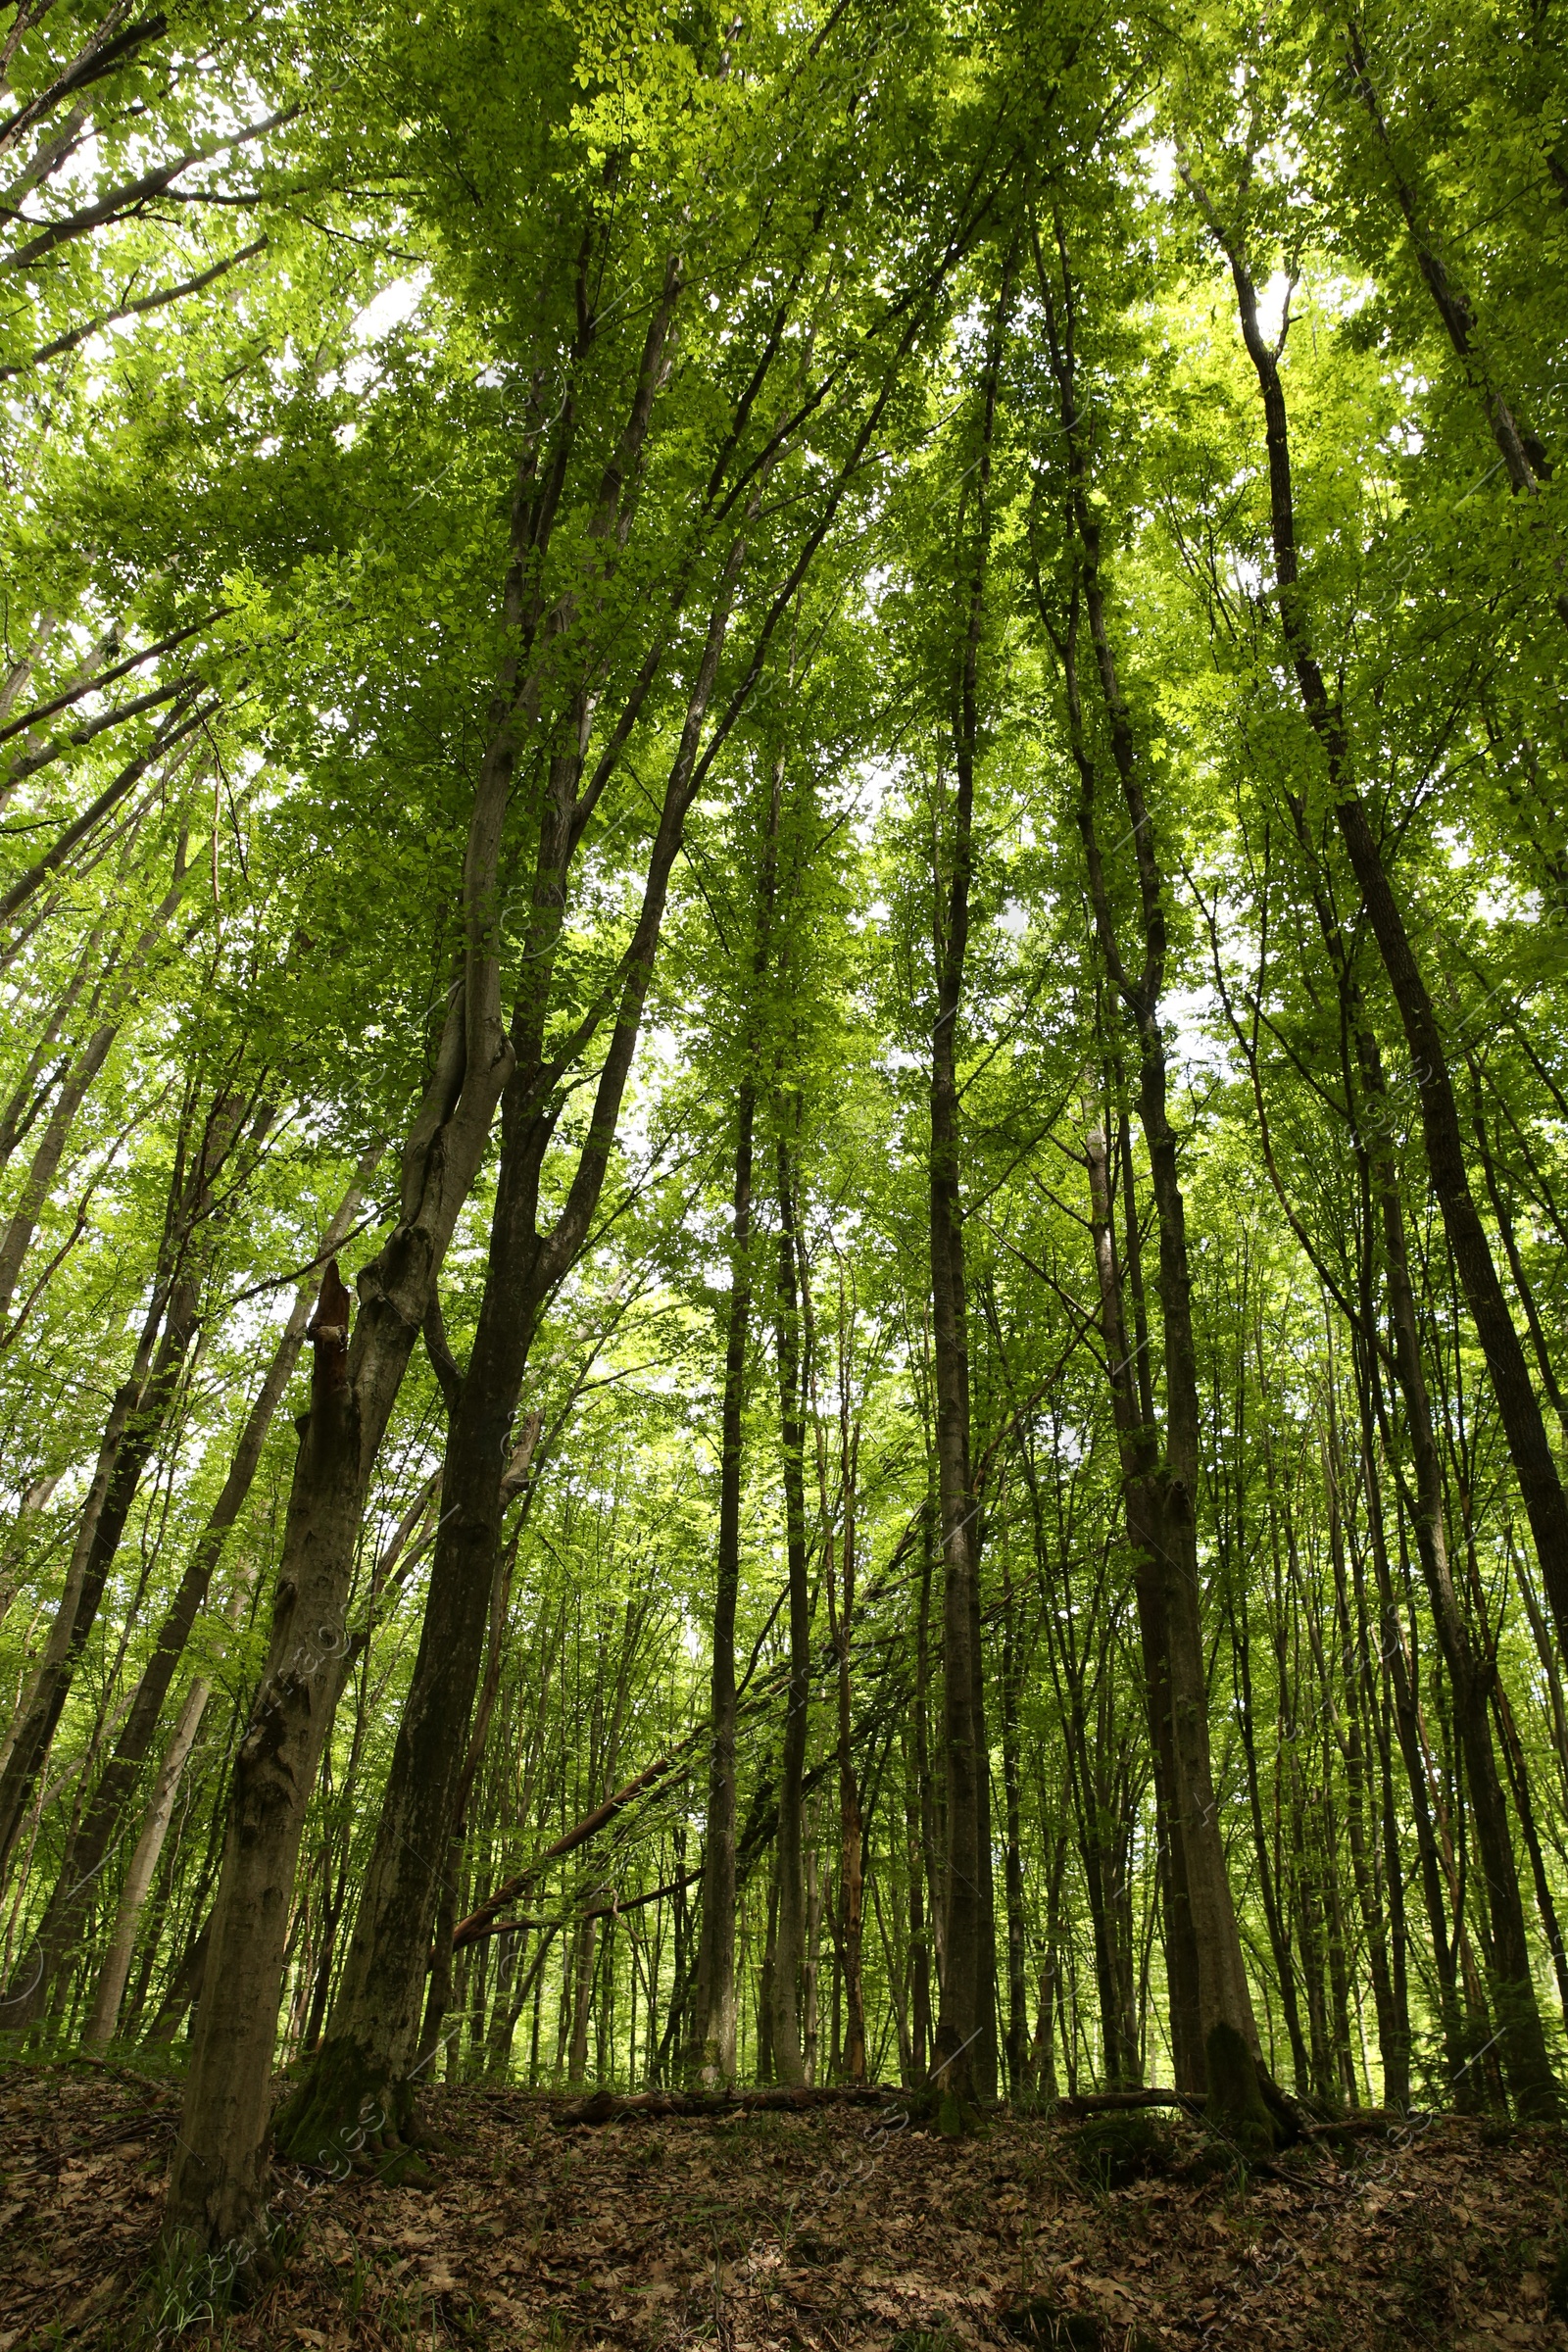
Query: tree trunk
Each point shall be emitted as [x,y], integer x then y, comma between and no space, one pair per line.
[104,2015]
[966,2053]
[131,1437]
[714,2052]
[86,1850]
[789,1958]
[372,2040]
[1519,1408]
[23,1223]
[1522,455]
[1013,1790]
[1523,2045]
[1163,1502]
[852,1833]
[217,2186]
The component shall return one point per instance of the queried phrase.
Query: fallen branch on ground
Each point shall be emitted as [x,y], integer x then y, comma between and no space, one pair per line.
[610,2107]
[1365,2119]
[1110,2102]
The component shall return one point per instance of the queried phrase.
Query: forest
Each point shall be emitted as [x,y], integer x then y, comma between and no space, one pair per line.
[784,1082]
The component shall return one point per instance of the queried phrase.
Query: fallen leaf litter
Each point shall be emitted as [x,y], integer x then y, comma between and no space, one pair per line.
[819,2231]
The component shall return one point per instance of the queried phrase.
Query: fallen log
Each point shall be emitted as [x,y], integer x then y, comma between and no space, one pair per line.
[1112,2102]
[1364,2119]
[612,2107]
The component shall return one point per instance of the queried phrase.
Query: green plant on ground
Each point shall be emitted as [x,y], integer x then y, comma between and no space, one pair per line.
[1131,2144]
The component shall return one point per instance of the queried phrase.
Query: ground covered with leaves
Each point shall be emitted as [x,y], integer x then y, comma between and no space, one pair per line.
[829,2229]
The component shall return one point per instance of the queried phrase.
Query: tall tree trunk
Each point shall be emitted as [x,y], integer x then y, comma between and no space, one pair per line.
[965,2052]
[87,1849]
[1471,1673]
[1392,2030]
[133,1434]
[789,1958]
[1518,1407]
[217,2185]
[716,2002]
[714,2052]
[1162,1521]
[367,2059]
[849,1936]
[1013,1791]
[1274,1915]
[1397,1664]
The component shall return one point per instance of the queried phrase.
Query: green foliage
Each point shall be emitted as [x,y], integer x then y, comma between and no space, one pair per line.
[262,532]
[1112,2149]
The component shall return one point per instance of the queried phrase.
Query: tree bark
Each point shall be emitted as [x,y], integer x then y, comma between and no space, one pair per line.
[716,2007]
[714,2052]
[87,1849]
[1140,1460]
[366,2061]
[965,2054]
[1162,1498]
[217,2186]
[1013,1791]
[789,1957]
[131,1435]
[849,1936]
[1522,454]
[1519,1408]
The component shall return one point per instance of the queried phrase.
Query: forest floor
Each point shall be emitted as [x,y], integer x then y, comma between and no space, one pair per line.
[824,2230]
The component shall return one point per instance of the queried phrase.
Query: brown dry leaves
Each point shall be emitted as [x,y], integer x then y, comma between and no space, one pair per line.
[813,2231]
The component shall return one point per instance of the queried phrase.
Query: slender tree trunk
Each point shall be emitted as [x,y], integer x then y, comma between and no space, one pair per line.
[17,1238]
[1273,1911]
[789,1957]
[104,2015]
[1524,2053]
[810,1972]
[134,1429]
[717,2007]
[965,2054]
[86,1850]
[714,2052]
[1518,1407]
[1013,1790]
[851,1835]
[1522,455]
[1397,1665]
[1163,1523]
[1392,2035]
